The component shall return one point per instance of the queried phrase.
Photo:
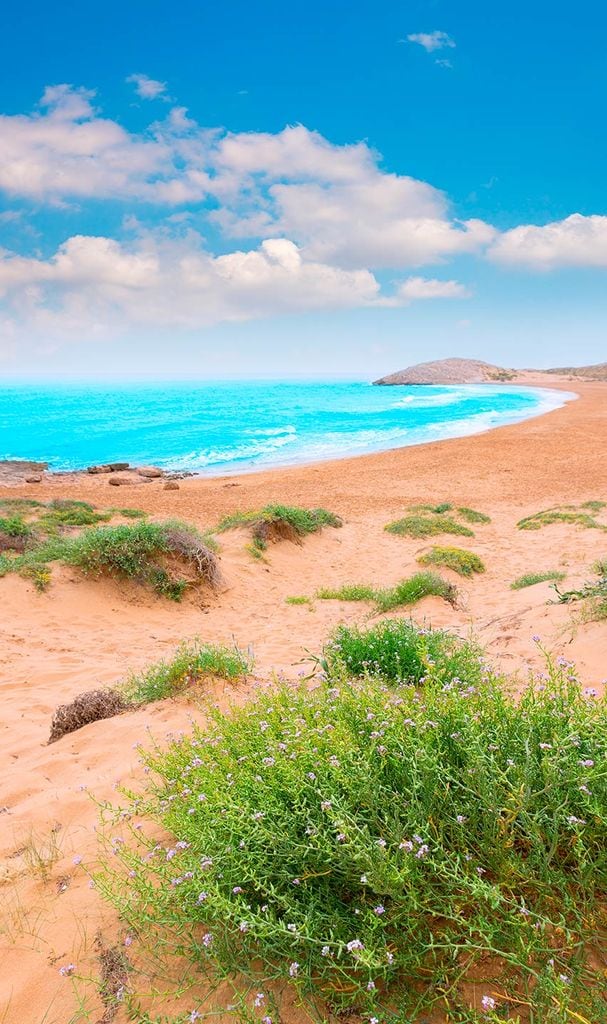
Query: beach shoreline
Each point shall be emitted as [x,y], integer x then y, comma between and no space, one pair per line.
[17,469]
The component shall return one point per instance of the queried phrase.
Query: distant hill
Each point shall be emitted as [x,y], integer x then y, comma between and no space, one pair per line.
[449,371]
[596,372]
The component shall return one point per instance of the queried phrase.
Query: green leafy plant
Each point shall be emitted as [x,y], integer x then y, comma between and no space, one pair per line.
[349,592]
[466,563]
[298,599]
[472,516]
[414,589]
[375,850]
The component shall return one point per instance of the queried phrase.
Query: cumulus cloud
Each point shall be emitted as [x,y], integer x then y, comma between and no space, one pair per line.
[576,241]
[432,41]
[147,88]
[94,286]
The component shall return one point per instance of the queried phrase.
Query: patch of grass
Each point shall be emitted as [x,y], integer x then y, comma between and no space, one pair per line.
[17,506]
[280,522]
[64,513]
[561,514]
[349,592]
[129,513]
[466,563]
[594,506]
[142,551]
[403,594]
[420,525]
[472,516]
[359,845]
[191,663]
[413,589]
[298,599]
[529,579]
[398,651]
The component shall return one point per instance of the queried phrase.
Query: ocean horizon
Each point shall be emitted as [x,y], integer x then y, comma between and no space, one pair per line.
[221,427]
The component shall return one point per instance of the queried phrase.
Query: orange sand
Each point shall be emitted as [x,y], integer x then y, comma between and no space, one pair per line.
[82,633]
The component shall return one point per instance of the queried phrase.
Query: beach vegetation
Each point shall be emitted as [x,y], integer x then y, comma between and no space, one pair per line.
[425,524]
[191,663]
[593,594]
[91,706]
[348,592]
[472,516]
[280,522]
[529,579]
[407,592]
[169,557]
[61,513]
[569,514]
[381,851]
[298,599]
[398,651]
[466,563]
[594,505]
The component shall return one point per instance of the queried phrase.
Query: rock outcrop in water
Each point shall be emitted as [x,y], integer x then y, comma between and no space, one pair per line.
[450,371]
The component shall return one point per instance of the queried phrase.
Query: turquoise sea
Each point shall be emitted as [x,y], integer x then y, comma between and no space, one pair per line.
[233,426]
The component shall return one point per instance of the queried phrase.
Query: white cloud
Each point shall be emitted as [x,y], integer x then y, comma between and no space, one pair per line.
[576,241]
[432,41]
[147,88]
[430,288]
[95,286]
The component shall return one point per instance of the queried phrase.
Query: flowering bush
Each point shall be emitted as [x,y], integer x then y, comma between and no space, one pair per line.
[375,846]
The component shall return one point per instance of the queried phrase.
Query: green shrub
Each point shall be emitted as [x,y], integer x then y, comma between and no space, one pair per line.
[466,563]
[383,854]
[64,512]
[398,651]
[529,579]
[421,525]
[139,551]
[130,513]
[14,526]
[413,589]
[191,662]
[298,599]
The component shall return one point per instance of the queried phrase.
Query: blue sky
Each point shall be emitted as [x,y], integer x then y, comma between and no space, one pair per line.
[313,189]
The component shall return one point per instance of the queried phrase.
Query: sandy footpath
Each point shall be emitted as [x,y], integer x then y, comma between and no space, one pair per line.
[82,633]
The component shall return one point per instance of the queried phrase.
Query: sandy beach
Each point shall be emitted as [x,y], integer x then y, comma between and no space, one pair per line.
[82,633]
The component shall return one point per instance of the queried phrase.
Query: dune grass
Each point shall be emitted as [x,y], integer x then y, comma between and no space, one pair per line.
[191,663]
[298,599]
[392,845]
[432,520]
[472,516]
[569,514]
[406,592]
[529,579]
[140,551]
[277,522]
[466,563]
[349,592]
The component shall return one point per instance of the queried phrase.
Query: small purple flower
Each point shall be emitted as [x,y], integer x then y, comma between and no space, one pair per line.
[293,969]
[77,860]
[128,940]
[370,986]
[259,998]
[67,970]
[207,939]
[354,945]
[379,910]
[488,1004]
[237,889]
[585,764]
